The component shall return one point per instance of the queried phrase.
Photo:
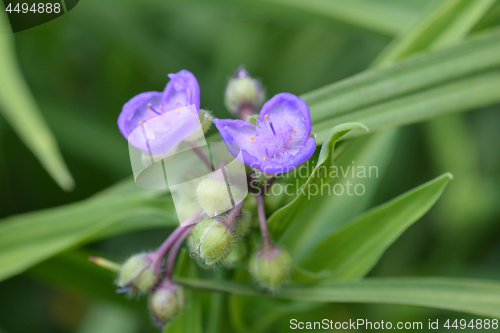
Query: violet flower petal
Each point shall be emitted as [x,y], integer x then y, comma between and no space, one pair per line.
[182,90]
[287,109]
[136,110]
[162,133]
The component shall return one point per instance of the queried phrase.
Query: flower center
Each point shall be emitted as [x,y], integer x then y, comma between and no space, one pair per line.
[275,138]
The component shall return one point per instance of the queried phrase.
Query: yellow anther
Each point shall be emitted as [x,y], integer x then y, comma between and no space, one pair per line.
[294,132]
[265,158]
[149,110]
[179,108]
[266,116]
[252,138]
[142,122]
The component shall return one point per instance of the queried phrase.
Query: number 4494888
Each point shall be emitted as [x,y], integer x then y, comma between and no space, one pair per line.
[472,324]
[38,8]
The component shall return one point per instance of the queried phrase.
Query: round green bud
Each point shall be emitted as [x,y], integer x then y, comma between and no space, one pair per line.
[242,223]
[243,91]
[138,274]
[166,302]
[213,196]
[237,254]
[213,241]
[270,267]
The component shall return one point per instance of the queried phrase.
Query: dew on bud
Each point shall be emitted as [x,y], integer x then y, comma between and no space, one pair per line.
[213,241]
[138,274]
[270,266]
[166,302]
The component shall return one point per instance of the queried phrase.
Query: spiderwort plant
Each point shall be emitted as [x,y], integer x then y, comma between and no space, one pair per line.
[277,143]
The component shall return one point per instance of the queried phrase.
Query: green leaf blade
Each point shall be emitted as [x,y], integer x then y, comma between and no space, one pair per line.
[432,80]
[355,249]
[480,297]
[19,108]
[449,23]
[319,177]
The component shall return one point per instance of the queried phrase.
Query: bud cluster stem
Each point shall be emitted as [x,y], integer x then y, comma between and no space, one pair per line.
[170,241]
[201,155]
[266,240]
[172,255]
[233,213]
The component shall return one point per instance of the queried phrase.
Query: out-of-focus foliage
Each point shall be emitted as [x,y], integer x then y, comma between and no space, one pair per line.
[82,67]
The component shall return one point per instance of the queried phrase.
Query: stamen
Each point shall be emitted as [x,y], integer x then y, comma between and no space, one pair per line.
[151,109]
[290,139]
[294,132]
[252,138]
[142,122]
[178,109]
[265,158]
[266,116]
[272,127]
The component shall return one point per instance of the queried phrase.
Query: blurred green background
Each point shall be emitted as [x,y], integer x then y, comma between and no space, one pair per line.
[82,67]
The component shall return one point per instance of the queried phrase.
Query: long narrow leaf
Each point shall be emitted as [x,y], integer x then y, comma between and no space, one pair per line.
[28,239]
[479,297]
[447,24]
[355,249]
[328,212]
[18,106]
[321,176]
[398,94]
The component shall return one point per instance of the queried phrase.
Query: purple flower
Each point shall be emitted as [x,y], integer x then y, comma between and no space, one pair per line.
[170,126]
[279,142]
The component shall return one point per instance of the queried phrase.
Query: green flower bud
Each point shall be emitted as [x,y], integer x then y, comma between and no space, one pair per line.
[213,241]
[243,91]
[242,224]
[213,196]
[166,302]
[270,267]
[138,274]
[237,254]
[205,122]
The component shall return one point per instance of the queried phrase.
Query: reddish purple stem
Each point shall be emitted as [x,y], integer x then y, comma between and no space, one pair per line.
[266,240]
[172,255]
[201,155]
[167,244]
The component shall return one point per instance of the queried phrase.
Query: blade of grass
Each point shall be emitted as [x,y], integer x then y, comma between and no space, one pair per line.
[480,297]
[19,108]
[351,252]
